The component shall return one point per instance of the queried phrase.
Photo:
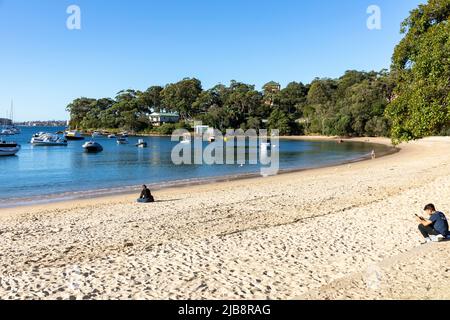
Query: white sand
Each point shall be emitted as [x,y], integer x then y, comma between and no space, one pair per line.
[315,234]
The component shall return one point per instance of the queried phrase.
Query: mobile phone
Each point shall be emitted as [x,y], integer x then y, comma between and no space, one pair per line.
[421,218]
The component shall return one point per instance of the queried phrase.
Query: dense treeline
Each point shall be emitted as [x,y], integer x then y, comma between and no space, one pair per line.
[411,101]
[421,71]
[352,105]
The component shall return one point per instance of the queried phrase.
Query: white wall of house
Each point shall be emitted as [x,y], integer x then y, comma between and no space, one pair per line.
[160,119]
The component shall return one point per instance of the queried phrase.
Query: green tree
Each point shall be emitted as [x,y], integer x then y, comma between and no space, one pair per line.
[279,121]
[421,102]
[152,98]
[79,109]
[180,97]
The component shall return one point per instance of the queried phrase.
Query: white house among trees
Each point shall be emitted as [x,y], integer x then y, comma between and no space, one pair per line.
[159,118]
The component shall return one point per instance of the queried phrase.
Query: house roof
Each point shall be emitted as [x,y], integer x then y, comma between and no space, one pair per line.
[165,114]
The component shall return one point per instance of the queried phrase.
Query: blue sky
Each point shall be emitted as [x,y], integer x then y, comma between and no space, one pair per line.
[139,43]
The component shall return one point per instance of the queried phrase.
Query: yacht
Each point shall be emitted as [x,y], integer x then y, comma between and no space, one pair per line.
[8,148]
[92,147]
[73,135]
[48,140]
[122,140]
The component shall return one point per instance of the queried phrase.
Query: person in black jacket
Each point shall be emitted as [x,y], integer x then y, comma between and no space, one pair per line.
[146,195]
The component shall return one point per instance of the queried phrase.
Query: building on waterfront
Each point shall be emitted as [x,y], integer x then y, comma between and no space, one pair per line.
[159,118]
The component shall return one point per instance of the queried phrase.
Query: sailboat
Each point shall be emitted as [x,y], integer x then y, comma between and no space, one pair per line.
[13,128]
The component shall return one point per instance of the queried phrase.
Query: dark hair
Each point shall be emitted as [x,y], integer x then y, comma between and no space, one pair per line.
[430,207]
[145,187]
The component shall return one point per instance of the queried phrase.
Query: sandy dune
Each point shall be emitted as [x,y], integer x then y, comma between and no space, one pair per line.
[325,233]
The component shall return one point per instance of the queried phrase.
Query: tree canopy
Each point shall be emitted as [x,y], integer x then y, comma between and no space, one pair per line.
[421,70]
[351,105]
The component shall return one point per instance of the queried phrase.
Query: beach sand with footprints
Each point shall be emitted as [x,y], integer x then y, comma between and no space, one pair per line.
[345,232]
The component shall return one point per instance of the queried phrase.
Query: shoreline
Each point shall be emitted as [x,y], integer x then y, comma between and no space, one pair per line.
[129,191]
[322,233]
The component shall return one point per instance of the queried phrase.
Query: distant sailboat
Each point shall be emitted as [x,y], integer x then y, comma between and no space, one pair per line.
[10,129]
[8,148]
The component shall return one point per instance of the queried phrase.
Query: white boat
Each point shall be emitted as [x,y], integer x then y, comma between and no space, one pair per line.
[112,136]
[186,139]
[141,144]
[15,129]
[92,147]
[73,135]
[48,140]
[96,134]
[8,148]
[122,140]
[7,132]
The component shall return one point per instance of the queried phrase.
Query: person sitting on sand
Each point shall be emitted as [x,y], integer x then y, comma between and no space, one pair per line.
[146,195]
[436,227]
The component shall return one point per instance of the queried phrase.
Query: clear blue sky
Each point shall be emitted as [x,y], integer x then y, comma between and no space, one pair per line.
[138,43]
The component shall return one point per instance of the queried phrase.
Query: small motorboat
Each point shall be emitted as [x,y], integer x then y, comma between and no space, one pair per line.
[122,140]
[8,148]
[47,140]
[92,147]
[141,144]
[73,135]
[7,132]
[96,134]
[186,139]
[15,129]
[112,136]
[124,134]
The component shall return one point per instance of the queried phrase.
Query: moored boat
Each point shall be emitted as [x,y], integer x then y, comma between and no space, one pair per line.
[47,140]
[6,132]
[186,138]
[73,135]
[92,147]
[8,148]
[122,140]
[96,134]
[141,144]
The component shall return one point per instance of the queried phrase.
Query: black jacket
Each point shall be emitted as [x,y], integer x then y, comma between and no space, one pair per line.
[146,194]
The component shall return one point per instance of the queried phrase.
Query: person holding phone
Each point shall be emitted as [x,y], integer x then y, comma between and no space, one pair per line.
[435,228]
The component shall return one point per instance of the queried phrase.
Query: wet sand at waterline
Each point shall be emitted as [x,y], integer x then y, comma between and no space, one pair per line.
[340,232]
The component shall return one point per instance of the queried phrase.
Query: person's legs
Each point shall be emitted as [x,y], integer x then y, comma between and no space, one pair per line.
[142,200]
[427,231]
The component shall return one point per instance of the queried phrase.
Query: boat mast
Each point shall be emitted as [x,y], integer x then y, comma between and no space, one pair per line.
[12,111]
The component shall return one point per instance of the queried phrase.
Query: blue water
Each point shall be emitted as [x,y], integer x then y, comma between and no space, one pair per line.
[45,172]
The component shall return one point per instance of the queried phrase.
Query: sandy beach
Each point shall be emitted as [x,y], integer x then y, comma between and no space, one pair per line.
[345,232]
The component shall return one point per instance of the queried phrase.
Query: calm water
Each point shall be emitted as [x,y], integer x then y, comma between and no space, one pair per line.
[43,173]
